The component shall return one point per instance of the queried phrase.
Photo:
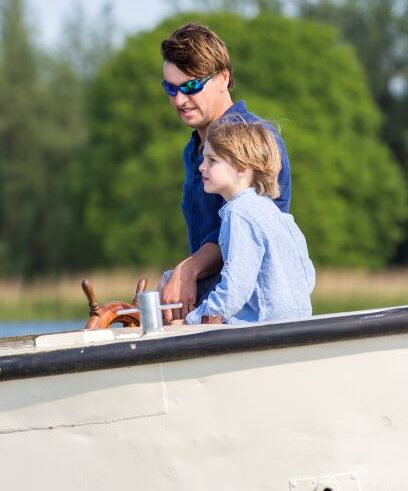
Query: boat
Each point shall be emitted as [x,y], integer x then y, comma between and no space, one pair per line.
[316,404]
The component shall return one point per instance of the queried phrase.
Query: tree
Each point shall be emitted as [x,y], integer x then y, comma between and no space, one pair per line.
[241,7]
[349,194]
[132,207]
[87,43]
[41,133]
[20,171]
[379,31]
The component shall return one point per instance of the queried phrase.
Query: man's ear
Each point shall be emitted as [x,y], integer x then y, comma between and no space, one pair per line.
[225,78]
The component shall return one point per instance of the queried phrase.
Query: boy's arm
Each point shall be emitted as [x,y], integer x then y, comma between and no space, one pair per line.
[182,286]
[243,252]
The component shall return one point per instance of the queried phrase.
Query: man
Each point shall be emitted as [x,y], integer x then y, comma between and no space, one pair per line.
[197,76]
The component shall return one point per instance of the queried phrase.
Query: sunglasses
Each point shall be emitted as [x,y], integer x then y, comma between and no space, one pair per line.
[188,88]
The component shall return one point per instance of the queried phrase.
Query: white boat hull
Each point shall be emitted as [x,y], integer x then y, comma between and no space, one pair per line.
[328,416]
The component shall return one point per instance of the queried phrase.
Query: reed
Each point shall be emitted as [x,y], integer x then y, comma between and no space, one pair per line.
[347,290]
[62,297]
[380,284]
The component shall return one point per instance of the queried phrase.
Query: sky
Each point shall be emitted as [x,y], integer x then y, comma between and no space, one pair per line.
[48,16]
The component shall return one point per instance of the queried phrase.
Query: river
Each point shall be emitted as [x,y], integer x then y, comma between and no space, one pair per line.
[38,327]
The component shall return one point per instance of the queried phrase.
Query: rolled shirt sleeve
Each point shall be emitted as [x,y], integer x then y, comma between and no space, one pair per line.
[211,237]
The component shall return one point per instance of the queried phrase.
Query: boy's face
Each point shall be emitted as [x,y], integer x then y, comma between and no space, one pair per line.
[197,110]
[218,175]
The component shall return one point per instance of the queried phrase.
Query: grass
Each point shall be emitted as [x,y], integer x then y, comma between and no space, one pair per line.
[345,290]
[63,299]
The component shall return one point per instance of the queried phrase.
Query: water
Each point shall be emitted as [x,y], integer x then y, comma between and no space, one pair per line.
[38,327]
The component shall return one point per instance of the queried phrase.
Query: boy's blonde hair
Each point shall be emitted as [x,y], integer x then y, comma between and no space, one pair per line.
[248,145]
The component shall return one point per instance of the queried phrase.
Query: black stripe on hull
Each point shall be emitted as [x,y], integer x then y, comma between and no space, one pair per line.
[220,341]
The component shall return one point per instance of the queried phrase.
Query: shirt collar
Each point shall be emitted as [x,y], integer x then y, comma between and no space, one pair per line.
[224,208]
[238,107]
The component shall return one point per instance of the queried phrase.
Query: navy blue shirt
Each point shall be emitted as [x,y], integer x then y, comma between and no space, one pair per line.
[200,209]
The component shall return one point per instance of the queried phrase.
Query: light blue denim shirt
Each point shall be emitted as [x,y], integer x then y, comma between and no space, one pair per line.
[267,273]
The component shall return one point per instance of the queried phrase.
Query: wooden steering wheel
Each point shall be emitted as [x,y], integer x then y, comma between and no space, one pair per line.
[103,316]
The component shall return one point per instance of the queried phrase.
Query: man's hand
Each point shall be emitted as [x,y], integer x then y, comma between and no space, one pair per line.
[181,287]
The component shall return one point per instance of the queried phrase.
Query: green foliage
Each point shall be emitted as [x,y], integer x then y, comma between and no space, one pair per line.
[242,7]
[91,168]
[133,206]
[86,44]
[378,29]
[41,132]
[43,143]
[348,194]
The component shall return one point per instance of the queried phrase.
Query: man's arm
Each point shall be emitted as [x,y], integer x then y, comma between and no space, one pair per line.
[284,177]
[182,286]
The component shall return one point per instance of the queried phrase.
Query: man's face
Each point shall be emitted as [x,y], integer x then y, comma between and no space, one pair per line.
[198,110]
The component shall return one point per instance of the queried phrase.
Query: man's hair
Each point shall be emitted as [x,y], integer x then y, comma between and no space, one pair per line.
[197,51]
[248,145]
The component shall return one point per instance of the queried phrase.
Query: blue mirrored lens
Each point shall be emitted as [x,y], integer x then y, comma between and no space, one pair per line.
[188,88]
[170,88]
[191,86]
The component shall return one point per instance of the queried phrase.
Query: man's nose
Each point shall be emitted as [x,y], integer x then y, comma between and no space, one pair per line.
[179,99]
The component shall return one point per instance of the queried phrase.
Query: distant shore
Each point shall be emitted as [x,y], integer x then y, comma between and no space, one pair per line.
[62,298]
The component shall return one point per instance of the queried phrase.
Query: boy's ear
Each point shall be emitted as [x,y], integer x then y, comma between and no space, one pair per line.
[248,173]
[243,172]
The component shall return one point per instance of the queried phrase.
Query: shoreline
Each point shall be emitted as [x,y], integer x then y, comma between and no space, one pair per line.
[62,299]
